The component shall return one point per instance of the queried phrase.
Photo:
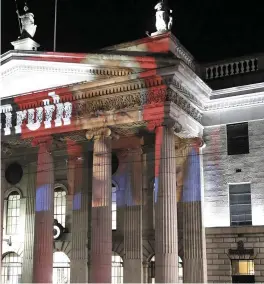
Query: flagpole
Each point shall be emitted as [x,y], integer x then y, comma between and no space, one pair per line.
[55,26]
[18,17]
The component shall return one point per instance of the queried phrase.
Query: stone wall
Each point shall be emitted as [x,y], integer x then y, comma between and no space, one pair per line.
[220,170]
[218,243]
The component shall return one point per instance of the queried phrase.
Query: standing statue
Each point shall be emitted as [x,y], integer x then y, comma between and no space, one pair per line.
[27,22]
[163,17]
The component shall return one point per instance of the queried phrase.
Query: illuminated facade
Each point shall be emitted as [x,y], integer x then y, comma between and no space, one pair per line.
[149,163]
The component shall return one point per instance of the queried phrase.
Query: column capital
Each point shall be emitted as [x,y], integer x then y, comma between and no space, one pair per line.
[42,141]
[168,122]
[98,133]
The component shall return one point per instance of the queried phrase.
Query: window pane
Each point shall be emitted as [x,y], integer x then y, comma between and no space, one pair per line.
[11,269]
[13,213]
[60,206]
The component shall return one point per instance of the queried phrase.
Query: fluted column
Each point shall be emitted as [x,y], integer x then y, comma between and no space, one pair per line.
[27,266]
[3,188]
[80,207]
[101,235]
[194,241]
[43,237]
[133,270]
[166,238]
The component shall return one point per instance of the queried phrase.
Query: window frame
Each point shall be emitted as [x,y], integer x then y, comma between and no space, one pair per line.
[60,217]
[17,216]
[249,271]
[114,220]
[237,149]
[239,204]
[6,267]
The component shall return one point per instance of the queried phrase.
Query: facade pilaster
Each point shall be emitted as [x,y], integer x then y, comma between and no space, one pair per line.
[166,234]
[27,266]
[80,209]
[133,270]
[3,188]
[44,202]
[101,235]
[194,240]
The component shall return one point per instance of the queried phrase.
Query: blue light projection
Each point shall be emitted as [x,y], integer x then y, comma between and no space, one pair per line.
[156,189]
[192,181]
[43,198]
[77,201]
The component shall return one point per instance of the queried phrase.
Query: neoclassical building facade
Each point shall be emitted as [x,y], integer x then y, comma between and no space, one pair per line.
[133,165]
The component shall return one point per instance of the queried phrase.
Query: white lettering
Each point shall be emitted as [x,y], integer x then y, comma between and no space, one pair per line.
[35,116]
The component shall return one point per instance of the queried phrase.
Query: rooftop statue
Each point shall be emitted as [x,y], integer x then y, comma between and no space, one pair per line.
[28,28]
[163,17]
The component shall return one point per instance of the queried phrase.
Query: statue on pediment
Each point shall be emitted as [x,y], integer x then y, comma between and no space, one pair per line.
[28,28]
[163,17]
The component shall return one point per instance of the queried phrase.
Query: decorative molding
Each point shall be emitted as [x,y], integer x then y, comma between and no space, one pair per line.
[186,106]
[240,252]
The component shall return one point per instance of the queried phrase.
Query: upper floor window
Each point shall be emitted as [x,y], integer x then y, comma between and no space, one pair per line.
[237,138]
[117,269]
[240,204]
[11,269]
[60,205]
[13,213]
[113,207]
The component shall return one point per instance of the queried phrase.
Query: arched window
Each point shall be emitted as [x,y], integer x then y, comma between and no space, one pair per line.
[117,269]
[11,269]
[113,207]
[152,269]
[13,213]
[60,205]
[61,268]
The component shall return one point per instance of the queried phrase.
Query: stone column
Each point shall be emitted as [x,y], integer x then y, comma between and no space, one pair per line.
[133,270]
[3,188]
[79,227]
[27,266]
[194,241]
[145,271]
[101,235]
[43,237]
[166,234]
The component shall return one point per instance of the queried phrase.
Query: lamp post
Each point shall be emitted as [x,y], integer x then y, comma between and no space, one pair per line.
[55,26]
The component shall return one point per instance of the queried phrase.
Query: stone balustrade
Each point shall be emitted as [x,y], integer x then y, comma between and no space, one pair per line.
[236,66]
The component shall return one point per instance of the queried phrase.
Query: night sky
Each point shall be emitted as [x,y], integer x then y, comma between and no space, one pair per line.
[209,29]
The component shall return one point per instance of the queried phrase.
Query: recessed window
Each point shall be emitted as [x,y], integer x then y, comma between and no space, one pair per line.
[242,267]
[13,213]
[115,163]
[237,139]
[11,269]
[117,269]
[113,207]
[60,205]
[14,173]
[240,204]
[61,268]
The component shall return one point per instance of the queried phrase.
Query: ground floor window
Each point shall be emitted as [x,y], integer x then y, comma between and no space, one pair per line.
[61,268]
[152,270]
[242,267]
[117,269]
[11,269]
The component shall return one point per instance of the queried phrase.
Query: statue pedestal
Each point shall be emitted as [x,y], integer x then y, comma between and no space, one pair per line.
[25,44]
[159,33]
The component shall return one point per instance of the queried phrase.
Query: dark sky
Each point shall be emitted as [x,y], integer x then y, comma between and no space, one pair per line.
[209,29]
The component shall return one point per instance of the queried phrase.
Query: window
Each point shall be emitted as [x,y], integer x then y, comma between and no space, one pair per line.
[60,205]
[113,207]
[152,270]
[117,269]
[11,269]
[242,267]
[13,213]
[237,139]
[61,268]
[240,204]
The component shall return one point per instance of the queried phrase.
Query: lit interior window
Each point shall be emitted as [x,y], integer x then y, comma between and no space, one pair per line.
[13,213]
[242,267]
[61,268]
[117,269]
[113,207]
[60,206]
[11,269]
